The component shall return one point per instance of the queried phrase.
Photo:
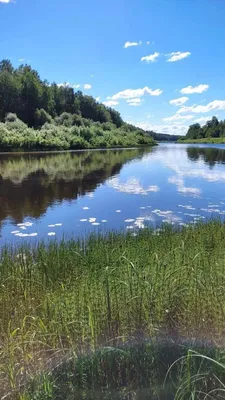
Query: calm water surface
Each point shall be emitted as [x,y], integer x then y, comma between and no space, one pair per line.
[48,196]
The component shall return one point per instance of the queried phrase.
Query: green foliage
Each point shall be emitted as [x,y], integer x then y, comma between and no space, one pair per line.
[41,117]
[212,132]
[62,118]
[68,131]
[23,92]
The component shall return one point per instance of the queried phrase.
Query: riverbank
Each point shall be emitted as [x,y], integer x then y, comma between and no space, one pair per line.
[69,133]
[72,298]
[210,140]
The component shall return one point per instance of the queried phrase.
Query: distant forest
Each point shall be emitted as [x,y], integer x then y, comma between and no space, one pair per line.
[212,129]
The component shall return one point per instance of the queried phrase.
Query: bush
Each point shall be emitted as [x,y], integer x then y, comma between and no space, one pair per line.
[41,117]
[10,117]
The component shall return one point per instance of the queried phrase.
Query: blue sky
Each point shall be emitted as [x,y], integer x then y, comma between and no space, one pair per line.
[136,56]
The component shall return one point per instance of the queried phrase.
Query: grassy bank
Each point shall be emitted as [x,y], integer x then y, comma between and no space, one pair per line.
[210,140]
[70,299]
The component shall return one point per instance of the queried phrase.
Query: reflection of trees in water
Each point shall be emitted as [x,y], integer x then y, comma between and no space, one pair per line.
[209,155]
[30,183]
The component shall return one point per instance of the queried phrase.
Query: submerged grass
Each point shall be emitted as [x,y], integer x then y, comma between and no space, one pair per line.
[68,300]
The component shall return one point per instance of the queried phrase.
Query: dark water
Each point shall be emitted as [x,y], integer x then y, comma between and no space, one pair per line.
[77,193]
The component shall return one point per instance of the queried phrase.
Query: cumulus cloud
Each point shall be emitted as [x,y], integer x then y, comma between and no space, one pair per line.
[134,93]
[76,86]
[177,56]
[178,117]
[168,129]
[179,101]
[87,86]
[134,102]
[110,103]
[97,98]
[20,59]
[151,58]
[202,120]
[147,42]
[130,44]
[6,1]
[213,105]
[194,89]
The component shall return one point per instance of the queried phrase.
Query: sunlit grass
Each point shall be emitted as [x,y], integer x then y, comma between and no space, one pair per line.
[76,297]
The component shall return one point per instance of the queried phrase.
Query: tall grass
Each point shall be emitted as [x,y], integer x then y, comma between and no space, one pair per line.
[72,298]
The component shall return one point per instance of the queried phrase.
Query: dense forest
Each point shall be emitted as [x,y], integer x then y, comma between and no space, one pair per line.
[35,114]
[213,129]
[164,137]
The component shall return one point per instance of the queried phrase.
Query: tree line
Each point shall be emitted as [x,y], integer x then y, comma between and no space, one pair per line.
[212,129]
[23,92]
[35,114]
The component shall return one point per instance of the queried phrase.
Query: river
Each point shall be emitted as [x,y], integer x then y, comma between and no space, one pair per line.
[45,196]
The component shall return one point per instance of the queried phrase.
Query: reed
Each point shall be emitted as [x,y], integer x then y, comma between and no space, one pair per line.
[72,298]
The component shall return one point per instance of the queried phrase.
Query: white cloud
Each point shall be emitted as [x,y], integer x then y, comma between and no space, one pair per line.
[130,44]
[178,117]
[97,98]
[179,101]
[134,93]
[214,105]
[87,86]
[110,103]
[20,59]
[134,102]
[65,84]
[202,120]
[148,42]
[5,1]
[194,89]
[150,58]
[167,129]
[178,55]
[76,86]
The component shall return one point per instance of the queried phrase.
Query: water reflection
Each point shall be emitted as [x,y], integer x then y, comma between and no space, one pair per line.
[74,194]
[209,155]
[30,183]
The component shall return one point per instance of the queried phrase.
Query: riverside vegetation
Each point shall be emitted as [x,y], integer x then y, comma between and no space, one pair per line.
[112,316]
[37,115]
[212,132]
